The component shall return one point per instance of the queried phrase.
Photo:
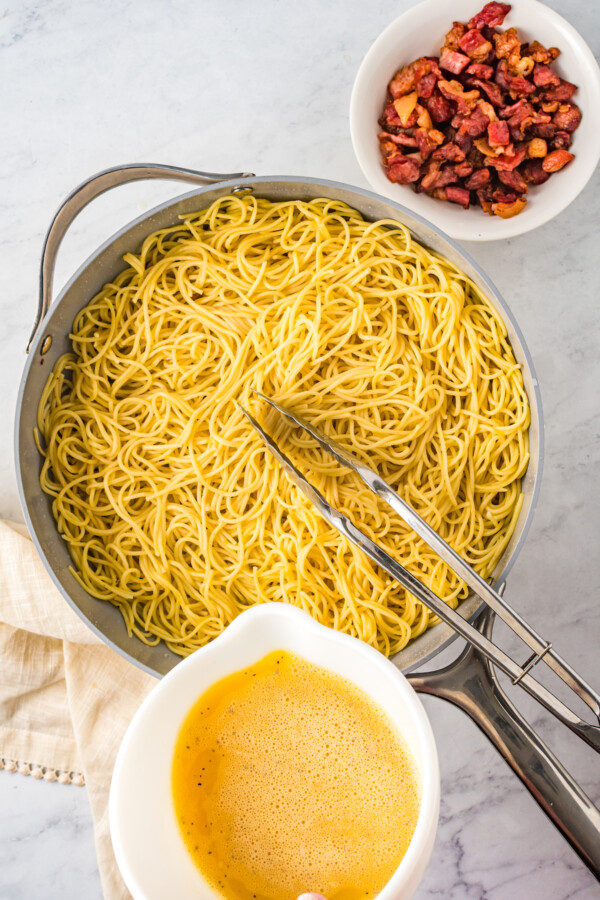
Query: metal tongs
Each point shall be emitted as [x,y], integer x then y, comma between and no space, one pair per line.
[542,651]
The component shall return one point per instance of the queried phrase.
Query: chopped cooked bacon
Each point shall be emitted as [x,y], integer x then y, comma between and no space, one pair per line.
[498,134]
[561,140]
[390,119]
[492,90]
[516,84]
[513,180]
[475,45]
[538,52]
[474,124]
[479,70]
[556,160]
[458,195]
[507,43]
[405,78]
[484,196]
[563,91]
[567,118]
[426,85]
[504,161]
[543,76]
[533,173]
[453,62]
[508,210]
[492,14]
[454,36]
[437,177]
[439,108]
[463,169]
[487,118]
[453,90]
[404,140]
[404,170]
[478,179]
[545,130]
[425,143]
[450,152]
[502,196]
[464,141]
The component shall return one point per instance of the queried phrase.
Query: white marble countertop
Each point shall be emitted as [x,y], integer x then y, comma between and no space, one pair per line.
[265,86]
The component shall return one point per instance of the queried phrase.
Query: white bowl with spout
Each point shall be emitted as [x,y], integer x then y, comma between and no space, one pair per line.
[150,851]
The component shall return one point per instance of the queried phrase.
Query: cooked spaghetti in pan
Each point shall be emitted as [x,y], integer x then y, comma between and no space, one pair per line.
[172,507]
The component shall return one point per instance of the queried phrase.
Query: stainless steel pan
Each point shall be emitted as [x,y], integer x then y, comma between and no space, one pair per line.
[469,683]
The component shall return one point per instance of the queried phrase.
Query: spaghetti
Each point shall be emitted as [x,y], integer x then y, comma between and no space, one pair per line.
[170,504]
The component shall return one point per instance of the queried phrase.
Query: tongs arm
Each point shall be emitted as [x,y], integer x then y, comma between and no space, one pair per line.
[520,675]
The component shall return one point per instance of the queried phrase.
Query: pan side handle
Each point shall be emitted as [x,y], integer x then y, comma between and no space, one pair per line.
[88,191]
[471,684]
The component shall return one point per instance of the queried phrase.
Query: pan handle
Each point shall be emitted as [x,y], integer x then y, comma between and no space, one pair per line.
[88,191]
[470,683]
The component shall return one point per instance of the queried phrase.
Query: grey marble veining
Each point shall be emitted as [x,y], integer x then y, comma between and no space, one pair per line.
[265,86]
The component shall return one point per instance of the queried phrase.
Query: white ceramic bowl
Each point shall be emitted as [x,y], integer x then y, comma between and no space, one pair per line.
[420,32]
[150,851]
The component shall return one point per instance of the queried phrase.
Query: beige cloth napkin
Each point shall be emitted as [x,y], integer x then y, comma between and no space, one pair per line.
[65,698]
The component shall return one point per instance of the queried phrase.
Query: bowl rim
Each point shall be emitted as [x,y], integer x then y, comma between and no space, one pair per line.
[284,617]
[471,229]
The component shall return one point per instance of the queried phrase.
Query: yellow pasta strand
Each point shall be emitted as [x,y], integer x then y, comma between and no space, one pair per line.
[171,506]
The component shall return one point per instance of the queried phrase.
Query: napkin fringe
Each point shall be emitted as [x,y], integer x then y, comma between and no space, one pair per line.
[37,771]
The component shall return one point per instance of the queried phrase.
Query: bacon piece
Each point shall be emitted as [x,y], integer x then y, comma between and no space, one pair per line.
[479,70]
[532,171]
[550,107]
[492,14]
[403,170]
[567,118]
[478,179]
[508,210]
[426,85]
[563,91]
[424,142]
[498,134]
[454,36]
[437,177]
[475,45]
[543,76]
[507,44]
[439,108]
[513,180]
[516,84]
[508,162]
[405,106]
[453,90]
[453,62]
[407,77]
[546,130]
[556,160]
[402,139]
[561,140]
[389,120]
[450,152]
[463,169]
[539,53]
[537,148]
[504,196]
[474,124]
[464,141]
[484,196]
[492,90]
[458,195]
[507,111]
[518,124]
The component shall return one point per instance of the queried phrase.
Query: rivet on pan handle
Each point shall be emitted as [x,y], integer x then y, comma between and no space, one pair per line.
[88,191]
